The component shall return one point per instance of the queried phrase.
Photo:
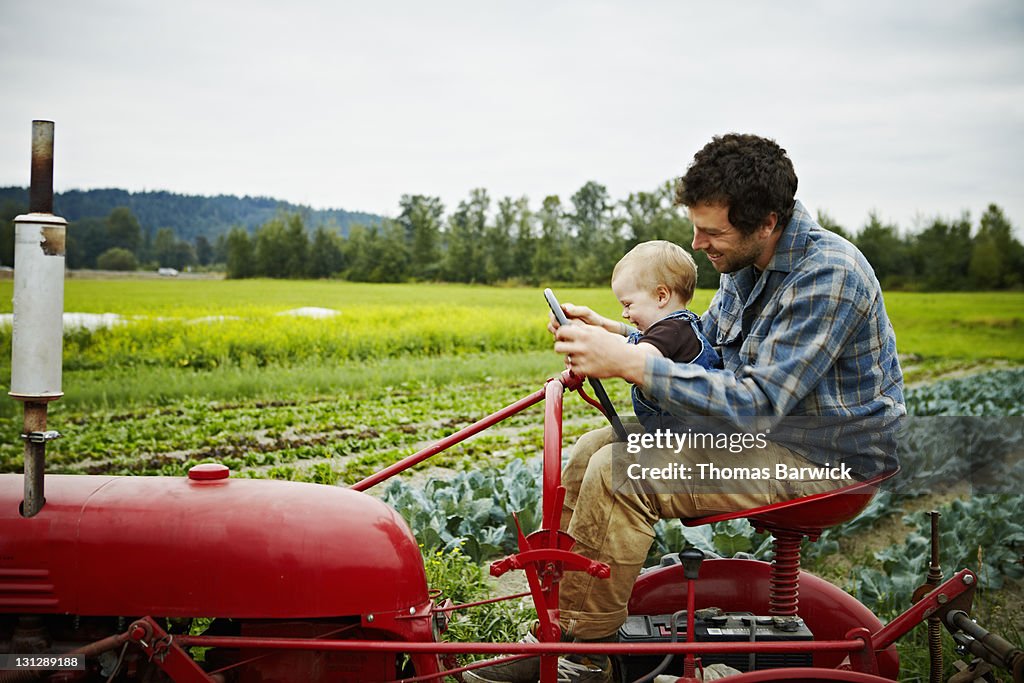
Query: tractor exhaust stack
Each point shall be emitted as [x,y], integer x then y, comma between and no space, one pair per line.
[38,331]
[40,191]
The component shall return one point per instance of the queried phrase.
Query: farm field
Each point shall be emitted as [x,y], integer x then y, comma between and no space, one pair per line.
[258,375]
[206,325]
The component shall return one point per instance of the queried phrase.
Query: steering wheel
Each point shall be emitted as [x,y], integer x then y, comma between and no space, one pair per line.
[595,384]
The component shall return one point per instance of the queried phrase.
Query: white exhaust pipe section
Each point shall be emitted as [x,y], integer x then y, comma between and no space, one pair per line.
[38,335]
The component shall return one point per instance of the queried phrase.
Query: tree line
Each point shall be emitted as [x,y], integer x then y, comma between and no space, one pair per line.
[579,243]
[187,215]
[508,241]
[117,242]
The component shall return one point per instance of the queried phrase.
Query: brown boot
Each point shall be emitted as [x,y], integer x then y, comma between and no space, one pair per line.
[526,670]
[589,668]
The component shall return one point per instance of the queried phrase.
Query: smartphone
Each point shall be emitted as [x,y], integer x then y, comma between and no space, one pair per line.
[556,308]
[602,395]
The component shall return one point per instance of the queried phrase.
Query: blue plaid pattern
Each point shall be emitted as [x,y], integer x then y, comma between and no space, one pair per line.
[809,337]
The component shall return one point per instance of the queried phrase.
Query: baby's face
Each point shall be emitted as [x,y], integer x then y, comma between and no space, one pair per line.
[640,305]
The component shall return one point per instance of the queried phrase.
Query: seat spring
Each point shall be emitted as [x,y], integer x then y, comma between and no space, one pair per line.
[784,576]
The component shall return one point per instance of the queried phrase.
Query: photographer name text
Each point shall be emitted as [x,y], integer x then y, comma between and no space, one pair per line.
[710,472]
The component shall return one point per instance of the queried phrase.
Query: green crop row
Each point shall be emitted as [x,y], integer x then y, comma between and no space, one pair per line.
[336,438]
[245,324]
[259,340]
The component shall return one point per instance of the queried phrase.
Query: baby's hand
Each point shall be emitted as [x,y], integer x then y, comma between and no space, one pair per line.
[583,314]
[573,312]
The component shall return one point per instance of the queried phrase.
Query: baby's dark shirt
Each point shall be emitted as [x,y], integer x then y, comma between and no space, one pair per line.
[674,338]
[678,338]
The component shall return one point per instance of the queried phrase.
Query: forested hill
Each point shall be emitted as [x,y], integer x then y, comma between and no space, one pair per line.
[188,215]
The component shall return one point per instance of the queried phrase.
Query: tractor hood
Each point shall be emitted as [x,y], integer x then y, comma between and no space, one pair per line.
[205,545]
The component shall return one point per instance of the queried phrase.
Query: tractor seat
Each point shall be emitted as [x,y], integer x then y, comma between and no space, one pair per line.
[791,520]
[810,514]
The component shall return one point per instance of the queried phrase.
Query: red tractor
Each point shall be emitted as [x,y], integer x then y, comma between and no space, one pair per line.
[100,576]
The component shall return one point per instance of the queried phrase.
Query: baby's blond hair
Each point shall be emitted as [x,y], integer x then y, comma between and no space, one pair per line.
[660,262]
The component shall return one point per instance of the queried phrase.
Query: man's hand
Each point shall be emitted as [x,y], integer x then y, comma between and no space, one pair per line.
[595,352]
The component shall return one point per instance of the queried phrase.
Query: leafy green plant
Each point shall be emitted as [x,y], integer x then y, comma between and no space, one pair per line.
[721,539]
[455,575]
[975,534]
[461,579]
[999,392]
[505,621]
[472,510]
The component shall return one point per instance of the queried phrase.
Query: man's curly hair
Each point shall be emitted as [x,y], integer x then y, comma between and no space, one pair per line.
[749,174]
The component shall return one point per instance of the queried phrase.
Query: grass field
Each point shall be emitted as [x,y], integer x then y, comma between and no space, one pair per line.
[227,321]
[968,325]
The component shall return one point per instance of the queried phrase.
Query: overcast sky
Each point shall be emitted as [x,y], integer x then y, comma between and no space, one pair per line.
[911,108]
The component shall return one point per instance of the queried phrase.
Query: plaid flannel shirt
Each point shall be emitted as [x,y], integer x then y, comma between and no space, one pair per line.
[808,337]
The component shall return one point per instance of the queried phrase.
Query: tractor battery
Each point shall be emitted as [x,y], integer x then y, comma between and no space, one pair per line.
[713,626]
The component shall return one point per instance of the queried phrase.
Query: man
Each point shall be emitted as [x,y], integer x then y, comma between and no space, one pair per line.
[802,330]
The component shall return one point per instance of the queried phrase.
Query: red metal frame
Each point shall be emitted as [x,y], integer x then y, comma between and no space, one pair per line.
[169,655]
[449,441]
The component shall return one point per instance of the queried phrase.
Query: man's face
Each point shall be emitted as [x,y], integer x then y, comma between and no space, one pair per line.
[728,248]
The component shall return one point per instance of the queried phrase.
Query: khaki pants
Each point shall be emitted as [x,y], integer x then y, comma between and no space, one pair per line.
[611,518]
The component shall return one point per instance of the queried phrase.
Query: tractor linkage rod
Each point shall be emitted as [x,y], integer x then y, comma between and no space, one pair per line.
[957,592]
[989,646]
[426,647]
[568,381]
